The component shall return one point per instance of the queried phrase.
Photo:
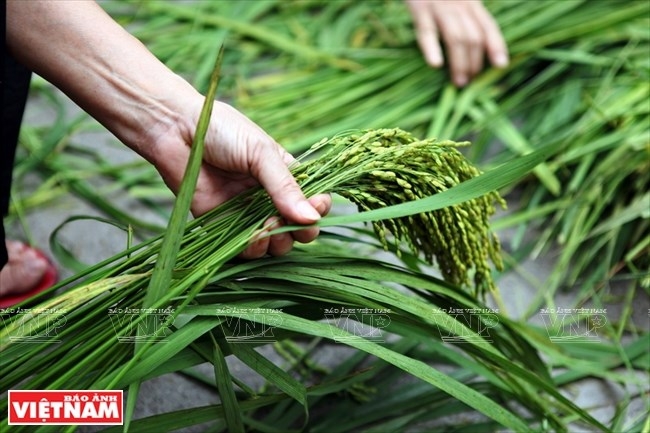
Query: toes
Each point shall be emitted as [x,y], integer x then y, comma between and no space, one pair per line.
[23,271]
[15,248]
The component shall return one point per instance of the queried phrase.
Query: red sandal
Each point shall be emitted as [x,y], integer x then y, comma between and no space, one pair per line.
[49,279]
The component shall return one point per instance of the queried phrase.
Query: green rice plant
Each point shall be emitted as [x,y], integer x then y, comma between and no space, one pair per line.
[193,280]
[305,70]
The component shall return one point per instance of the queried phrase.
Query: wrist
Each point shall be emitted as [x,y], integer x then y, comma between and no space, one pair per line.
[164,116]
[165,137]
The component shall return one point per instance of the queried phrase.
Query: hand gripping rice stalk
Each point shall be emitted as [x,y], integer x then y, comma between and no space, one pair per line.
[373,169]
[383,167]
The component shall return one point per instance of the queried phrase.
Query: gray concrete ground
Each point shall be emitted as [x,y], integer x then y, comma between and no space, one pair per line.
[93,242]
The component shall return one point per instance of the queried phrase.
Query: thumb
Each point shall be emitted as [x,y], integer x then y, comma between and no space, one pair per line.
[274,175]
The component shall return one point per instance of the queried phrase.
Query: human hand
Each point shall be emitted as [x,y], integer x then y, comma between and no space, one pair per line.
[239,155]
[110,74]
[467,30]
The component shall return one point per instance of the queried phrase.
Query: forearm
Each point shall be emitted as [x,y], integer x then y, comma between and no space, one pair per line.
[79,48]
[110,74]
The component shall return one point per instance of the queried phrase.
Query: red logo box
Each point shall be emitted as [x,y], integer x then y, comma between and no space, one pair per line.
[66,407]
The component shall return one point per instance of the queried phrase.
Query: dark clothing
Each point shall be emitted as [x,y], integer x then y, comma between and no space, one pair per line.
[15,85]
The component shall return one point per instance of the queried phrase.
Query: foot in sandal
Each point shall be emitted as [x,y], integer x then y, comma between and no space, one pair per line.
[27,273]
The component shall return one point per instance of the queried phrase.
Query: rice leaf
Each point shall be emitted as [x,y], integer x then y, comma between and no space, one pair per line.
[232,411]
[414,367]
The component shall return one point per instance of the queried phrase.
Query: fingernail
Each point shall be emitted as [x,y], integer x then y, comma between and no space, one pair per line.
[307,211]
[321,207]
[461,80]
[435,61]
[500,60]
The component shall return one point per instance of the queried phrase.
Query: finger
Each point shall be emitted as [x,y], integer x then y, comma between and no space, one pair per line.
[269,167]
[495,44]
[305,236]
[426,33]
[474,41]
[281,243]
[322,203]
[453,33]
[475,44]
[258,247]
